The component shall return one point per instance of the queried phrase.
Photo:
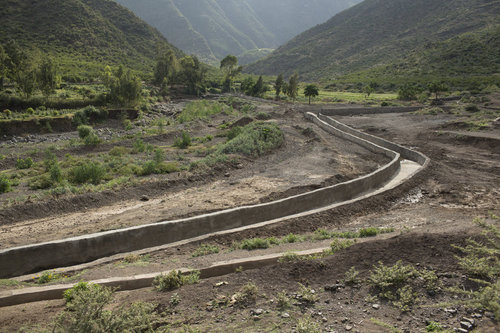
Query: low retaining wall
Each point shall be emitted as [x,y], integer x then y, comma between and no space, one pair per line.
[374,110]
[31,258]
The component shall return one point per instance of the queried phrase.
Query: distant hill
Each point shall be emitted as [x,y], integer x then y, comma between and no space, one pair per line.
[82,34]
[212,29]
[403,35]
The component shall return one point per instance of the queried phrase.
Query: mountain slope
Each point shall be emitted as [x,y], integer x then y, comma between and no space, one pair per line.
[213,29]
[93,32]
[377,32]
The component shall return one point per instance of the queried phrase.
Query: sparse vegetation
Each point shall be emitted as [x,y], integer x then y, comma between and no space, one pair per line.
[205,249]
[174,280]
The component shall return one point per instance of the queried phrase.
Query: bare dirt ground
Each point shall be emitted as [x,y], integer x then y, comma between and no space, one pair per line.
[429,215]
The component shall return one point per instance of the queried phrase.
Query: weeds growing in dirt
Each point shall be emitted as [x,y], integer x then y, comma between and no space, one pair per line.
[205,249]
[184,141]
[283,302]
[307,294]
[5,184]
[482,263]
[85,312]
[351,277]
[307,325]
[340,244]
[246,296]
[24,163]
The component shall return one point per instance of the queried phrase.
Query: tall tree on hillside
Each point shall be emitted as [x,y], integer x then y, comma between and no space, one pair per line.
[166,67]
[278,85]
[47,77]
[247,85]
[124,87]
[293,86]
[230,68]
[192,74]
[311,90]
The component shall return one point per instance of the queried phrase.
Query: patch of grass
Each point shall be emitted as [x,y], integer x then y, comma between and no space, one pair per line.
[88,172]
[321,234]
[262,116]
[119,151]
[254,140]
[205,249]
[307,294]
[340,244]
[9,283]
[254,244]
[382,324]
[289,257]
[47,277]
[201,110]
[385,277]
[174,280]
[24,163]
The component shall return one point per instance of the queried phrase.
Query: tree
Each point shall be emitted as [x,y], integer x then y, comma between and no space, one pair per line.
[368,90]
[259,88]
[247,85]
[3,67]
[408,92]
[124,87]
[278,85]
[21,69]
[437,87]
[166,67]
[47,77]
[230,68]
[192,74]
[311,90]
[293,86]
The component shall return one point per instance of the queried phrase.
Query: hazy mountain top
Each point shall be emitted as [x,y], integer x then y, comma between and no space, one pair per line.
[377,32]
[212,29]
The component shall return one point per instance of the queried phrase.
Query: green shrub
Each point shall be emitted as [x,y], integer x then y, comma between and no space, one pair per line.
[87,311]
[174,280]
[234,132]
[307,294]
[30,111]
[385,277]
[127,124]
[89,172]
[254,140]
[283,301]
[92,140]
[433,327]
[24,163]
[139,146]
[351,277]
[292,238]
[368,232]
[118,151]
[47,277]
[41,183]
[472,108]
[84,131]
[4,184]
[200,110]
[262,116]
[254,243]
[307,325]
[55,173]
[184,141]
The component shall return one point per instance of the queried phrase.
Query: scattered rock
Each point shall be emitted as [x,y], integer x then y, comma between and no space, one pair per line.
[469,320]
[334,288]
[376,306]
[468,326]
[222,283]
[348,327]
[144,198]
[285,315]
[257,312]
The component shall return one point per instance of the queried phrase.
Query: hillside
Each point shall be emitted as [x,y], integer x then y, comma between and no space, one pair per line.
[383,32]
[213,29]
[82,34]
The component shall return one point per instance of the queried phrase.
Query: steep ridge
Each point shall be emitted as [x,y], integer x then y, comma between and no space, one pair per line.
[211,29]
[81,32]
[377,32]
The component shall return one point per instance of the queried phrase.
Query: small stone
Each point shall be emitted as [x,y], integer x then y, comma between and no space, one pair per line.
[256,318]
[285,315]
[469,320]
[227,174]
[477,315]
[348,327]
[258,312]
[376,306]
[345,320]
[451,311]
[324,319]
[466,325]
[462,330]
[144,198]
